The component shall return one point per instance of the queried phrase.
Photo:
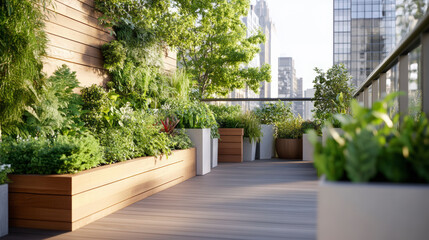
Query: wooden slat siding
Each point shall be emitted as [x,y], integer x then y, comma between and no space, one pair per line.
[94,193]
[263,199]
[230,145]
[75,39]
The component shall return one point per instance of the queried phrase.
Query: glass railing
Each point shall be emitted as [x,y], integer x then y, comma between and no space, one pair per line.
[405,69]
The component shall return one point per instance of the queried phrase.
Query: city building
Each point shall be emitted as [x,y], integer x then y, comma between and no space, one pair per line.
[364,33]
[309,106]
[269,49]
[287,77]
[299,105]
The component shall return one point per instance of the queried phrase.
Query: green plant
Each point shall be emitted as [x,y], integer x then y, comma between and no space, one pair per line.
[62,154]
[270,113]
[333,93]
[179,140]
[311,125]
[22,46]
[252,126]
[375,147]
[4,171]
[192,114]
[58,110]
[290,129]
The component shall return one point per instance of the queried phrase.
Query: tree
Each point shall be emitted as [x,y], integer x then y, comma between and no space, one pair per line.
[22,45]
[213,48]
[333,92]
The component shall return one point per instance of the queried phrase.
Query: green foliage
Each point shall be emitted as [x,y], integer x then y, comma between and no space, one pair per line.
[333,93]
[311,125]
[290,129]
[192,114]
[375,147]
[114,55]
[22,45]
[63,154]
[179,140]
[252,126]
[212,46]
[58,110]
[4,171]
[270,113]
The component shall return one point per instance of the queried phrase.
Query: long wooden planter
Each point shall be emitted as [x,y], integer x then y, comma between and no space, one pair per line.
[70,201]
[231,145]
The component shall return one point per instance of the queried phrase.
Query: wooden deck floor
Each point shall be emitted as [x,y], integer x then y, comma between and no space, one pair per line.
[261,200]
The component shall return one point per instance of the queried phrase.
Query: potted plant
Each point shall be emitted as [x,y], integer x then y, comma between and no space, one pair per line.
[289,138]
[198,120]
[269,114]
[4,216]
[231,132]
[252,134]
[376,176]
[307,147]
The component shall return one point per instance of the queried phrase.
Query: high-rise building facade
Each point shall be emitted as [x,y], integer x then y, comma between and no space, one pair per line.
[269,52]
[299,105]
[287,77]
[309,106]
[364,33]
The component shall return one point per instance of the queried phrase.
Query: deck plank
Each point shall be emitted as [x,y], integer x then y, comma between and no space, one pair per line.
[264,199]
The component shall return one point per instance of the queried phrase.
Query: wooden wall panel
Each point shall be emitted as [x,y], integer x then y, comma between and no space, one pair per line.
[230,145]
[75,38]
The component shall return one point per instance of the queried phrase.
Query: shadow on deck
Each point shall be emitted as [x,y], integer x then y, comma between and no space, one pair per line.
[261,200]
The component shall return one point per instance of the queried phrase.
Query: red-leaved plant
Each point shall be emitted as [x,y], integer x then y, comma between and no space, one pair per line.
[169,125]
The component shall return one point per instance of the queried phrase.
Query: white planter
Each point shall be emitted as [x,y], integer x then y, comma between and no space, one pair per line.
[214,151]
[201,139]
[265,148]
[249,150]
[4,216]
[307,148]
[326,134]
[372,211]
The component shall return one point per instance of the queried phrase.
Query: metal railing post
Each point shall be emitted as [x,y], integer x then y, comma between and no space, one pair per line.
[424,68]
[403,84]
[382,85]
[375,91]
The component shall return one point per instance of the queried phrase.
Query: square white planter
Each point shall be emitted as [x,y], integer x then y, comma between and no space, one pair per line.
[249,150]
[326,134]
[214,152]
[4,215]
[372,211]
[307,148]
[201,139]
[265,148]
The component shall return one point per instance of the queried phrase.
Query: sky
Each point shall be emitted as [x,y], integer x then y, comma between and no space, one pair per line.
[304,30]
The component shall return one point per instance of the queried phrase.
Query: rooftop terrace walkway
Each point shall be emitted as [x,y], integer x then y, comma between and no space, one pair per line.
[264,199]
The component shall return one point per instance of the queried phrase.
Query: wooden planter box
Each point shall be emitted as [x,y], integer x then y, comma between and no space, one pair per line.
[231,145]
[289,148]
[70,201]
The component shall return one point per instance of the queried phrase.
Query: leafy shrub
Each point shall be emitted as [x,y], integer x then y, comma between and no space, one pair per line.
[180,140]
[114,55]
[375,147]
[118,144]
[58,110]
[4,171]
[252,126]
[311,125]
[290,129]
[270,113]
[333,92]
[63,154]
[23,43]
[192,114]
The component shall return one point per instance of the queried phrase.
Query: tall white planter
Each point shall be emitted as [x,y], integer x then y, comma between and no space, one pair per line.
[265,148]
[249,150]
[372,211]
[307,148]
[201,139]
[4,216]
[326,134]
[214,151]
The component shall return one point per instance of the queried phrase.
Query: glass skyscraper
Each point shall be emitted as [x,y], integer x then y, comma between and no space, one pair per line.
[364,33]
